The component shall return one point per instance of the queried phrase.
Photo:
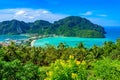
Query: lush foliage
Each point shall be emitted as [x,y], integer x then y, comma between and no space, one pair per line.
[16,70]
[68,70]
[106,69]
[77,26]
[13,27]
[18,62]
[70,26]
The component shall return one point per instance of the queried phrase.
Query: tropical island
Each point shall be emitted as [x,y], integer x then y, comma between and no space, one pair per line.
[59,40]
[72,26]
[23,62]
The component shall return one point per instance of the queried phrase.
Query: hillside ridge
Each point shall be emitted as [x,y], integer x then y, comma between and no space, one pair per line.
[71,26]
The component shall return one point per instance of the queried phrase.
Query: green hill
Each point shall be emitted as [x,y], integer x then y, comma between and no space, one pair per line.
[39,27]
[13,27]
[72,26]
[78,27]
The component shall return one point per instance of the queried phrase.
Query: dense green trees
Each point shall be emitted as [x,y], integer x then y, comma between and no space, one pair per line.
[16,70]
[39,27]
[61,62]
[106,69]
[70,26]
[13,27]
[77,26]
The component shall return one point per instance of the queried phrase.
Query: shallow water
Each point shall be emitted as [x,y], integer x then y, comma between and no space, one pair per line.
[12,37]
[112,34]
[70,41]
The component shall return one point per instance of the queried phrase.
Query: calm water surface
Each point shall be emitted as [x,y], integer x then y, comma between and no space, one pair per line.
[113,33]
[12,37]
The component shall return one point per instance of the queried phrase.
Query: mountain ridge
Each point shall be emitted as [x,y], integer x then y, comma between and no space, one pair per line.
[73,26]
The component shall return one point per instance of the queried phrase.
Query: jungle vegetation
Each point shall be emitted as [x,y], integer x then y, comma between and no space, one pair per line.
[19,62]
[71,26]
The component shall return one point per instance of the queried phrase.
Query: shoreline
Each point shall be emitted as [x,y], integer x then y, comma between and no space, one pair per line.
[32,43]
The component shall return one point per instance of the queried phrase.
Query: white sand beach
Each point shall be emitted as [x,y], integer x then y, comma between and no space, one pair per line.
[32,43]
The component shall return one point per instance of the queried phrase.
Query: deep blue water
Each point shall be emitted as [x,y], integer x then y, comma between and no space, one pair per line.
[113,33]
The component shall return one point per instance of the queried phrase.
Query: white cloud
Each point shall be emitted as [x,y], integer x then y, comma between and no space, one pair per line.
[21,12]
[29,15]
[103,15]
[45,12]
[103,21]
[88,13]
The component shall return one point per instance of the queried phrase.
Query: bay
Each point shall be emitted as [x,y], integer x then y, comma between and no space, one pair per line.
[113,33]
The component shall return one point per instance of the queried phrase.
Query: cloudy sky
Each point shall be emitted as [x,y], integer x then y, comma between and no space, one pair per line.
[103,12]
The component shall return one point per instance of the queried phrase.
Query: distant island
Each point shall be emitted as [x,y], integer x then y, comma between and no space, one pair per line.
[72,26]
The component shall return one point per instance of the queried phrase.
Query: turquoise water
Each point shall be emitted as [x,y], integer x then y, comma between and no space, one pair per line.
[12,37]
[70,41]
[112,34]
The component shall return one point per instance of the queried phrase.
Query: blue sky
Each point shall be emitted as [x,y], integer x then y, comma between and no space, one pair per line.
[103,12]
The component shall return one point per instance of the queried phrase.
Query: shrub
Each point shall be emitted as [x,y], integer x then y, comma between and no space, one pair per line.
[67,70]
[106,69]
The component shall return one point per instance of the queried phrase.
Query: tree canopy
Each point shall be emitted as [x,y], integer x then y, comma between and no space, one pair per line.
[72,26]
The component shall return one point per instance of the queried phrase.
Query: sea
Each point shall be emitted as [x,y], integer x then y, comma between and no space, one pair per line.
[3,38]
[113,33]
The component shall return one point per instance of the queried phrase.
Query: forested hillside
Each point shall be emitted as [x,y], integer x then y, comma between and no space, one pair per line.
[72,26]
[13,27]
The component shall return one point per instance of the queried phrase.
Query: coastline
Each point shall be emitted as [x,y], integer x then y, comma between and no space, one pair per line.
[32,43]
